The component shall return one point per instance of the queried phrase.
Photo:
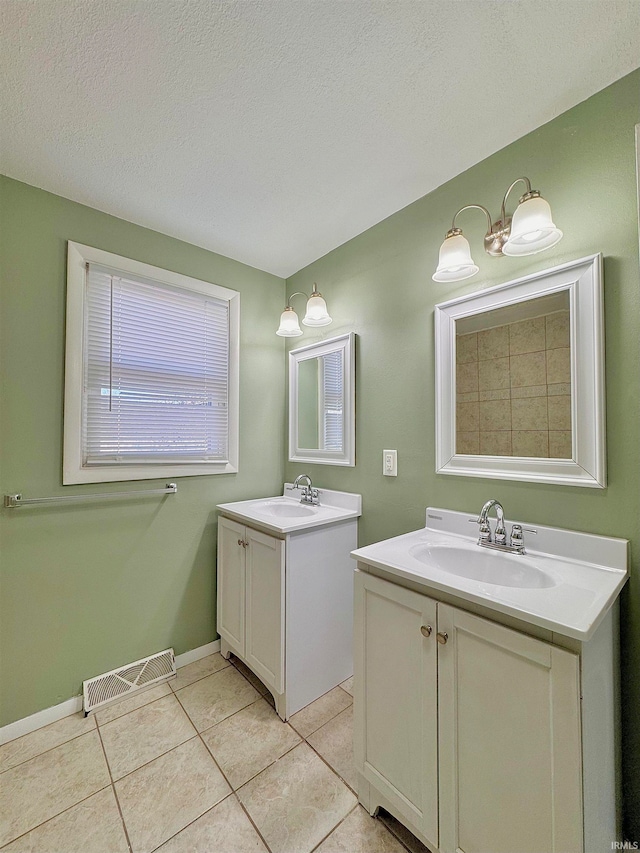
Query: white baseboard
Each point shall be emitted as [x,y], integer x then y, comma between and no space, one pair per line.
[197,654]
[74,705]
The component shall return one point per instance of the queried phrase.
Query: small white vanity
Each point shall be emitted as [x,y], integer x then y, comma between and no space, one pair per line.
[485,689]
[285,590]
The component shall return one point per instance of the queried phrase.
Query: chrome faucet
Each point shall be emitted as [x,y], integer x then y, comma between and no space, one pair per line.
[499,541]
[309,494]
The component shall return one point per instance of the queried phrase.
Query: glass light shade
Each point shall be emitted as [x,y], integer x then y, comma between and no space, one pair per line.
[455,262]
[532,229]
[289,326]
[317,314]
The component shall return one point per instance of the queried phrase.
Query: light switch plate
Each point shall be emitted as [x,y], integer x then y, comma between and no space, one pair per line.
[390,463]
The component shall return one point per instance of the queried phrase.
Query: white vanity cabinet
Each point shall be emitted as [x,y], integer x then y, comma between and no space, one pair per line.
[485,687]
[468,730]
[285,593]
[251,606]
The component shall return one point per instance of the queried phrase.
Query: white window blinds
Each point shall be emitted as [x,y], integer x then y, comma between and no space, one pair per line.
[333,401]
[156,372]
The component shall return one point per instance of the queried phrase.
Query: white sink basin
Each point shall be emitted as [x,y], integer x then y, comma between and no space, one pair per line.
[565,582]
[284,513]
[286,509]
[485,566]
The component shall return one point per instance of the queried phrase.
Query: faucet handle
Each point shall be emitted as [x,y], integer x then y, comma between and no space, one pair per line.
[484,532]
[517,536]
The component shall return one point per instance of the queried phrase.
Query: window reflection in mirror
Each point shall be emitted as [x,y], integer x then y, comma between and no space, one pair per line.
[513,380]
[321,403]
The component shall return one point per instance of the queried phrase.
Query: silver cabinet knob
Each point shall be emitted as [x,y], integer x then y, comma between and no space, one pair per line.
[426,630]
[442,637]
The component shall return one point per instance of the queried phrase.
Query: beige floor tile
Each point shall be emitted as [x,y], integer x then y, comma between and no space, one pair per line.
[144,734]
[224,829]
[251,677]
[46,785]
[318,713]
[197,670]
[26,747]
[216,697]
[360,833]
[93,826]
[125,706]
[348,686]
[249,741]
[334,742]
[297,801]
[164,796]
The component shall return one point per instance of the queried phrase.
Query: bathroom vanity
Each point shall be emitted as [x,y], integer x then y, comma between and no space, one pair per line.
[485,687]
[285,591]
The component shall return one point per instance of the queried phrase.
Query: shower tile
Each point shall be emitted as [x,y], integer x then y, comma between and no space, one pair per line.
[493,343]
[466,348]
[559,365]
[529,413]
[527,336]
[528,369]
[467,377]
[494,374]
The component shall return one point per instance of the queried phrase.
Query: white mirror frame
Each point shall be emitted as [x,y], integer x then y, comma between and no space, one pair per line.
[583,281]
[346,345]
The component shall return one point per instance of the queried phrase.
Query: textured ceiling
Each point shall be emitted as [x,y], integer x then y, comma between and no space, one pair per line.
[272,132]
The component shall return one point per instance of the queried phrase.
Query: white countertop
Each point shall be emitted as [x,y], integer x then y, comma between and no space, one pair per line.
[587,572]
[334,506]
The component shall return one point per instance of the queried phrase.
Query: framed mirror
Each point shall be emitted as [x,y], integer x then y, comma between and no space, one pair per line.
[322,427]
[520,379]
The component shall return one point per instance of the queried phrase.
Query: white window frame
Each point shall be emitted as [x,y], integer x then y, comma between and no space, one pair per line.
[73,469]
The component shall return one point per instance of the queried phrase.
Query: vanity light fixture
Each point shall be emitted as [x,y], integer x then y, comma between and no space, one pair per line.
[530,230]
[316,314]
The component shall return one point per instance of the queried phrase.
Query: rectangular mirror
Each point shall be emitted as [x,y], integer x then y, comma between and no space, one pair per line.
[322,402]
[520,379]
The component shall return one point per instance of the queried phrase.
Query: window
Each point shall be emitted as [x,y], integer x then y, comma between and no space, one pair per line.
[151,381]
[331,403]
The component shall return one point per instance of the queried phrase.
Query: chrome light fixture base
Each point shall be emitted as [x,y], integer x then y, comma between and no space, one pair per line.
[528,231]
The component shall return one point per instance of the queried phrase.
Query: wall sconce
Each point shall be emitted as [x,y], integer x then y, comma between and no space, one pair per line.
[530,230]
[316,314]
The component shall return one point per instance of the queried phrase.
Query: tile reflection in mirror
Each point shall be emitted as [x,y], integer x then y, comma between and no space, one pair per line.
[513,380]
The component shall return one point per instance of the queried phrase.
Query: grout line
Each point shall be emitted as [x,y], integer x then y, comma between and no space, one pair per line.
[174,690]
[224,775]
[53,817]
[325,722]
[132,711]
[340,822]
[191,822]
[44,751]
[113,788]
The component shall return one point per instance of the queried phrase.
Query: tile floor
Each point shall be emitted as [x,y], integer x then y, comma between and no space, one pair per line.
[200,765]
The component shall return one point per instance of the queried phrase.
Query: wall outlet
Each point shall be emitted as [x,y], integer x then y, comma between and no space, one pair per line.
[390,463]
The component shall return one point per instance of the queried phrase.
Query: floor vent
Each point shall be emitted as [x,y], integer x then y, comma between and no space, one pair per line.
[103,689]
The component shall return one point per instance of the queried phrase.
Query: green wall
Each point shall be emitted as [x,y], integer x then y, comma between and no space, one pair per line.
[87,588]
[379,285]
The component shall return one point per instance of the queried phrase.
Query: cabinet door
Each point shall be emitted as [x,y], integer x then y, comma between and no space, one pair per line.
[231,583]
[395,698]
[265,608]
[509,717]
